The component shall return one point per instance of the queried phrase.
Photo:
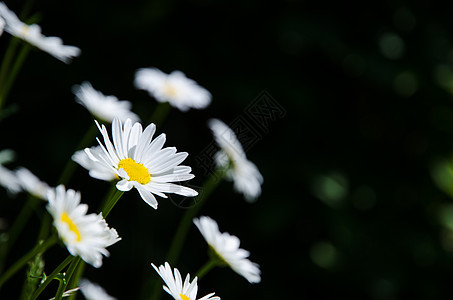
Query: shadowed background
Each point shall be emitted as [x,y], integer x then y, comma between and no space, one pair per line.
[355,199]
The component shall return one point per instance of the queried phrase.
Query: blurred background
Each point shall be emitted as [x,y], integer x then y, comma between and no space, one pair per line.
[346,109]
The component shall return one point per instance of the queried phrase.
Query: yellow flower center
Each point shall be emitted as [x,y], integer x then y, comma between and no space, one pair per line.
[170,90]
[66,219]
[184,297]
[135,171]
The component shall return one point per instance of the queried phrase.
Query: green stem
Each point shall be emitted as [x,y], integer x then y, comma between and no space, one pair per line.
[69,273]
[208,266]
[76,278]
[40,248]
[111,203]
[8,59]
[13,73]
[52,276]
[160,113]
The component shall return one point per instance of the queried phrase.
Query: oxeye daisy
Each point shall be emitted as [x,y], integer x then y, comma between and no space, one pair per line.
[103,107]
[226,248]
[175,286]
[32,34]
[245,175]
[84,235]
[32,184]
[141,163]
[92,291]
[174,88]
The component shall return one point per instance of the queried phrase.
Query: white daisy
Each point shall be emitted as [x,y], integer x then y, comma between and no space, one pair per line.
[32,34]
[92,291]
[103,107]
[32,184]
[175,88]
[176,288]
[141,162]
[226,247]
[245,175]
[96,169]
[84,235]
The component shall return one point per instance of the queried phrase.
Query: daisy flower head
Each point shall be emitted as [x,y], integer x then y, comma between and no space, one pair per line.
[32,34]
[140,162]
[93,291]
[103,107]
[245,175]
[175,286]
[226,248]
[32,184]
[174,88]
[84,235]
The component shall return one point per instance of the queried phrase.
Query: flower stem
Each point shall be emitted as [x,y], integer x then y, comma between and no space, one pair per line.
[12,74]
[111,203]
[52,276]
[40,248]
[62,287]
[208,266]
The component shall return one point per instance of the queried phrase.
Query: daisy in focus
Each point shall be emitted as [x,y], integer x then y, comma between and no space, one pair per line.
[32,34]
[84,235]
[140,162]
[103,107]
[92,291]
[174,88]
[32,184]
[175,286]
[226,248]
[245,175]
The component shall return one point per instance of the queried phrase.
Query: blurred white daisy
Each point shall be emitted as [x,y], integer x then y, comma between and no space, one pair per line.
[32,34]
[175,286]
[141,162]
[84,235]
[101,106]
[245,175]
[32,184]
[92,291]
[226,247]
[96,169]
[174,88]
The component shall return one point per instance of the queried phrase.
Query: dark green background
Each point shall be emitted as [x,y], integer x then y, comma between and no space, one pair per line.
[349,209]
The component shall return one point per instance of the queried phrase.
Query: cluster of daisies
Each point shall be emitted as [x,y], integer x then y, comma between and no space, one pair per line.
[134,158]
